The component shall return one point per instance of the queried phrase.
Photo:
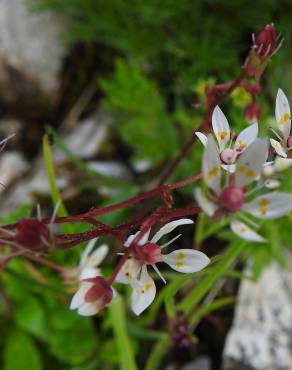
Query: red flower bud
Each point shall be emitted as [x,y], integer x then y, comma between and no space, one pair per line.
[232,198]
[265,42]
[32,234]
[252,112]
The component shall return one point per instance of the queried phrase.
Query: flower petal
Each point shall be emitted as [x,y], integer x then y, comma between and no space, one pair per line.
[85,253]
[169,227]
[220,127]
[204,203]
[78,297]
[271,205]
[129,272]
[89,272]
[245,232]
[97,256]
[251,161]
[186,260]
[283,115]
[88,309]
[246,137]
[203,138]
[282,164]
[144,293]
[142,241]
[278,148]
[212,166]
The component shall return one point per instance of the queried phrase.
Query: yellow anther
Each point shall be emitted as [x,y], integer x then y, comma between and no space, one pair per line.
[222,135]
[179,264]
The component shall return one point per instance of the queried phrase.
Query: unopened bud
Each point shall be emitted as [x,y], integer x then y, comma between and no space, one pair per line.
[232,198]
[32,234]
[289,142]
[252,112]
[265,42]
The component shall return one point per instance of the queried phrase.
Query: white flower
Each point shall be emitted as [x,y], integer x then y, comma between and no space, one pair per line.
[148,252]
[282,147]
[221,129]
[92,294]
[90,260]
[228,196]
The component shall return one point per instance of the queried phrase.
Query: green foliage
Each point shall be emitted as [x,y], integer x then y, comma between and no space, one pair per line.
[20,351]
[168,53]
[139,113]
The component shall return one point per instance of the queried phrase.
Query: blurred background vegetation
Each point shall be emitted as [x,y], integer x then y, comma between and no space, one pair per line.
[148,63]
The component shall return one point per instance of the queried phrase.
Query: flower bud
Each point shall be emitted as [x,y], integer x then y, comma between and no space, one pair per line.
[232,198]
[252,112]
[265,42]
[32,234]
[289,142]
[264,46]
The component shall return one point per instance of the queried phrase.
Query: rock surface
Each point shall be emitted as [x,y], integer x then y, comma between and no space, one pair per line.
[30,43]
[261,336]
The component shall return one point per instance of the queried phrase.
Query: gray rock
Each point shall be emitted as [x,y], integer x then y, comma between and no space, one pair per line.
[261,336]
[201,363]
[30,43]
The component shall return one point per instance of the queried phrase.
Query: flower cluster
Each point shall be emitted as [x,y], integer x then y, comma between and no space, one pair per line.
[95,292]
[229,193]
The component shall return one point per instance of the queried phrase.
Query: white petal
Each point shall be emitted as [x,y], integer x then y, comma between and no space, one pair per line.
[89,272]
[169,227]
[271,205]
[144,294]
[245,232]
[282,164]
[97,256]
[220,127]
[204,203]
[278,148]
[78,298]
[283,113]
[186,260]
[212,166]
[251,161]
[129,272]
[203,138]
[142,241]
[246,137]
[88,309]
[86,251]
[231,168]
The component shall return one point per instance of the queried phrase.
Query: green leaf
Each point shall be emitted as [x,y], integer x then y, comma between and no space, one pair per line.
[124,346]
[21,353]
[192,299]
[56,196]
